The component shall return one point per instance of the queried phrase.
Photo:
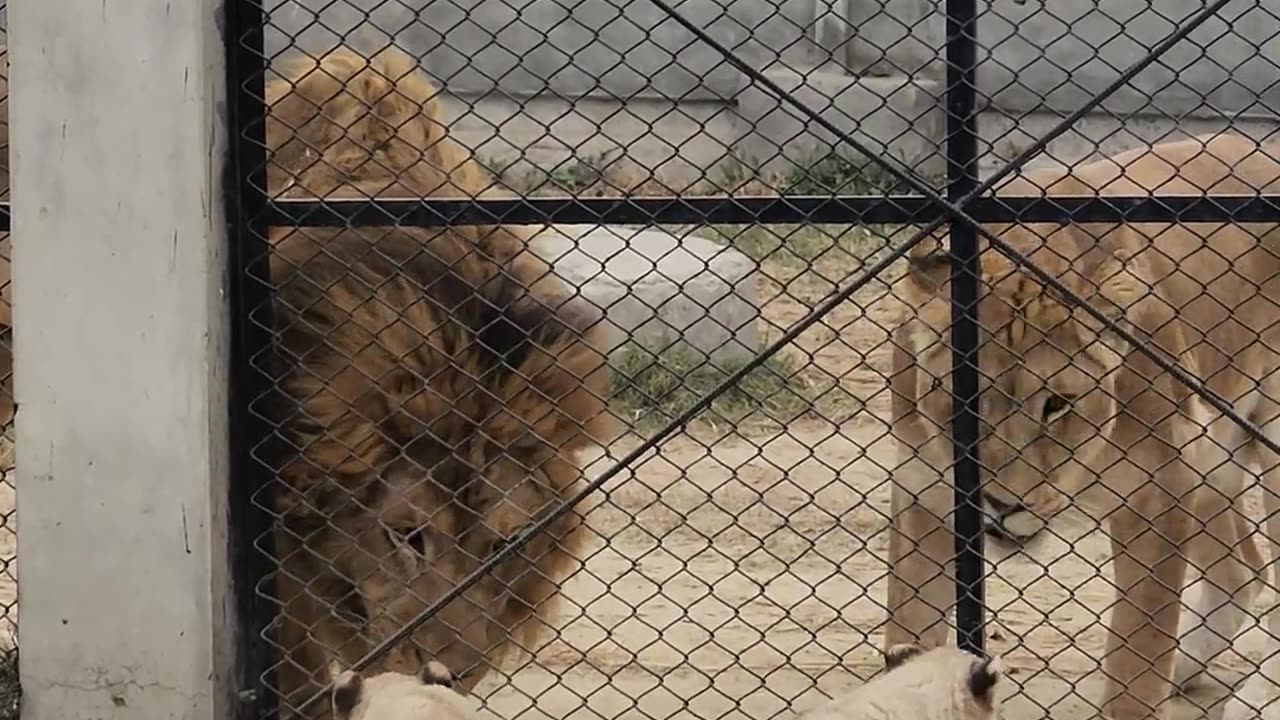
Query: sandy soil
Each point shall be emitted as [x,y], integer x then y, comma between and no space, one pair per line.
[745,578]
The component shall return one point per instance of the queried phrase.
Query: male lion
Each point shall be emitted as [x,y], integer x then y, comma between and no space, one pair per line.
[433,387]
[1067,403]
[942,683]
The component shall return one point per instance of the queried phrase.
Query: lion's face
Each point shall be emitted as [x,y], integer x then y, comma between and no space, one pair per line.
[1047,388]
[436,524]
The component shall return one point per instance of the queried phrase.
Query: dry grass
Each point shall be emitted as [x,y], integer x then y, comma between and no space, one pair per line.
[608,175]
[651,386]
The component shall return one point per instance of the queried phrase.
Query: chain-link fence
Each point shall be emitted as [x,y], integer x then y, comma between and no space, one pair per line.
[10,692]
[615,354]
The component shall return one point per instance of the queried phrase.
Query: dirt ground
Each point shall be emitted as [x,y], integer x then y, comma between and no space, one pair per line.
[745,577]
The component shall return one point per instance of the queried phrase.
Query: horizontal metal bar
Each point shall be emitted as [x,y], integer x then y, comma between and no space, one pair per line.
[771,209]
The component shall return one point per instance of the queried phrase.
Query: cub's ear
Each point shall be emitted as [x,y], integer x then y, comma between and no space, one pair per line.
[983,675]
[896,655]
[435,673]
[929,267]
[346,694]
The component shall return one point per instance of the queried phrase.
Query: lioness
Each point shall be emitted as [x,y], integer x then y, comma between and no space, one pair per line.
[433,386]
[429,695]
[942,683]
[1068,403]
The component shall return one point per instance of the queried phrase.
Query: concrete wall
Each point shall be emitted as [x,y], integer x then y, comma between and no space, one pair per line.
[1060,54]
[528,48]
[607,47]
[522,67]
[1052,55]
[121,360]
[870,66]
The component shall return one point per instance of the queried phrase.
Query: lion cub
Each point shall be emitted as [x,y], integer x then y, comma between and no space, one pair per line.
[396,696]
[945,683]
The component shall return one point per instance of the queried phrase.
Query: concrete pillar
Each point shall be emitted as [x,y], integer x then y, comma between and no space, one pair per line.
[121,334]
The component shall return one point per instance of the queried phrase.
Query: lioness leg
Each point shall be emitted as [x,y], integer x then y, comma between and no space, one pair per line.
[921,553]
[1260,696]
[1147,539]
[1226,555]
[921,549]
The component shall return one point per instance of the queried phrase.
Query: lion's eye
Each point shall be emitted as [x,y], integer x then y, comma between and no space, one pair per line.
[412,538]
[1056,405]
[497,544]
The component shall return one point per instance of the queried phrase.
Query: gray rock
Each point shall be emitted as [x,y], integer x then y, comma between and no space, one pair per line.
[657,288]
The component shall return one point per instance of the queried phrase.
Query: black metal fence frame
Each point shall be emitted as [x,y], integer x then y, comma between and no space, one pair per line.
[964,207]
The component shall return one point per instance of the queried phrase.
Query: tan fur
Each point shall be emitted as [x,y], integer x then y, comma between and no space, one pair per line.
[943,683]
[434,386]
[399,696]
[344,125]
[1206,295]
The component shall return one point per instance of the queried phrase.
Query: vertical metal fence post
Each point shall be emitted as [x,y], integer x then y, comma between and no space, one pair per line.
[246,196]
[962,178]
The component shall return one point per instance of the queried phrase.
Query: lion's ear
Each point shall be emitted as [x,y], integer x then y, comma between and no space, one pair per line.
[929,268]
[346,694]
[435,673]
[896,655]
[1111,273]
[1123,315]
[984,673]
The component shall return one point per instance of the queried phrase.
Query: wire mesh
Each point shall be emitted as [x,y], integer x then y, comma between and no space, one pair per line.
[10,691]
[709,466]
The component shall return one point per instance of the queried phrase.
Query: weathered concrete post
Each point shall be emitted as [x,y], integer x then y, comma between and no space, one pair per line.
[121,335]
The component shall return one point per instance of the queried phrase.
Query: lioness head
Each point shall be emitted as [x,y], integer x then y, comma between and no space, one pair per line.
[397,696]
[1048,394]
[956,684]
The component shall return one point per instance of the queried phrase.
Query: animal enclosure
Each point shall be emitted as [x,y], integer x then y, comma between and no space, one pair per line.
[652,360]
[617,436]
